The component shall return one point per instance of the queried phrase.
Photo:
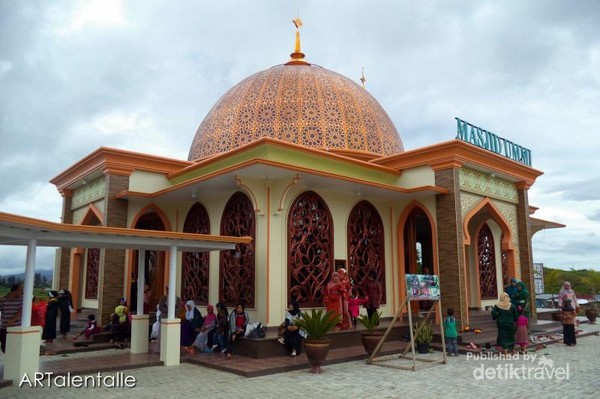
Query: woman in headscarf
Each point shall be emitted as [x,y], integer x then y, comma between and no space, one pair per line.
[120,324]
[49,332]
[567,293]
[347,287]
[190,324]
[65,304]
[334,294]
[506,315]
[292,337]
[223,328]
[209,325]
[567,302]
[521,298]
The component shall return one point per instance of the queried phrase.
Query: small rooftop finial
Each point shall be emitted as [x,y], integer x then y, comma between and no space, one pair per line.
[363,79]
[297,55]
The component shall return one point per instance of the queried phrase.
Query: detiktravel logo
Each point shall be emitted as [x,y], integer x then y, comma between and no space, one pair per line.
[511,367]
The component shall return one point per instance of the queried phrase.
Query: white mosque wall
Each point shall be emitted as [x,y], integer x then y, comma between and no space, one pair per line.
[148,182]
[271,237]
[417,177]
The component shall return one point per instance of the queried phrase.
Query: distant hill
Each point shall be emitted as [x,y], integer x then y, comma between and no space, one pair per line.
[585,282]
[21,276]
[41,278]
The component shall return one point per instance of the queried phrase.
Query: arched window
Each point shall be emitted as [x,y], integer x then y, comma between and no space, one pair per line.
[237,268]
[92,262]
[486,255]
[365,246]
[310,249]
[154,266]
[91,273]
[418,243]
[195,265]
[505,270]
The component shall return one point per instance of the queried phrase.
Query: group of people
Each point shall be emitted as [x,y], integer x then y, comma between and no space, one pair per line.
[214,333]
[43,313]
[512,316]
[340,297]
[60,302]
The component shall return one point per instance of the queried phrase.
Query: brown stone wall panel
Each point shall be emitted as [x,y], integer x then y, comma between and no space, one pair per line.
[113,263]
[525,252]
[111,282]
[450,244]
[65,253]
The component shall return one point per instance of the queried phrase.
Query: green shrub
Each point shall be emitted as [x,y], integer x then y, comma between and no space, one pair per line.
[317,323]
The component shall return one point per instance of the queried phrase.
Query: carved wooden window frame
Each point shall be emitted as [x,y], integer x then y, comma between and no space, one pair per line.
[92,270]
[366,246]
[195,266]
[486,260]
[310,249]
[237,267]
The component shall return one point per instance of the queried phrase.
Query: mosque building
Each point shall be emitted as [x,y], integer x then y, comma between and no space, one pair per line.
[307,163]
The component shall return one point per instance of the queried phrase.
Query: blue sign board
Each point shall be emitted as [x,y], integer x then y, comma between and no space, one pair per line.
[489,141]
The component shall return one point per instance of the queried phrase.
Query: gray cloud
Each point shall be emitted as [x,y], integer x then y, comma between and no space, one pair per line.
[528,71]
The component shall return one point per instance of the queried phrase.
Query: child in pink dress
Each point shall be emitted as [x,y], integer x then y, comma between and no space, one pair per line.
[353,307]
[522,335]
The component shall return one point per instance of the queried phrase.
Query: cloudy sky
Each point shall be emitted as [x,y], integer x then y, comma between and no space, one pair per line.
[141,75]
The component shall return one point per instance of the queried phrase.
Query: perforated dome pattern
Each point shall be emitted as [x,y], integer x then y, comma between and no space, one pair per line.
[300,104]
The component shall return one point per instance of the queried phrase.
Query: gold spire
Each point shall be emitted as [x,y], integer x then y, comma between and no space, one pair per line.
[363,79]
[297,55]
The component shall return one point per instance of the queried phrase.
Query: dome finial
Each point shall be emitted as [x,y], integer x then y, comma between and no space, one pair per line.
[363,79]
[297,55]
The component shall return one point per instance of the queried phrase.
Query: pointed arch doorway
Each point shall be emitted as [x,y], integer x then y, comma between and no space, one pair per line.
[154,261]
[489,254]
[418,247]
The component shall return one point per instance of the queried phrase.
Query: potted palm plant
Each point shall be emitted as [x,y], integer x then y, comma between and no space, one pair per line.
[423,335]
[316,325]
[370,338]
[592,312]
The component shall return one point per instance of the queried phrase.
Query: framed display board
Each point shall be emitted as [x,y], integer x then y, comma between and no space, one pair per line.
[422,287]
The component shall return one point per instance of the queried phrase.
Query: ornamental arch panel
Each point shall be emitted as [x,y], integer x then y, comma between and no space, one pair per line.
[310,249]
[237,267]
[365,243]
[92,256]
[486,260]
[195,265]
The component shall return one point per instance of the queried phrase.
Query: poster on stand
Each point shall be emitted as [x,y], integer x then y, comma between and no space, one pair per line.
[422,287]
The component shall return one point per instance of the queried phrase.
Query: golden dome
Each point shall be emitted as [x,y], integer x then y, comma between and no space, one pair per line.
[301,104]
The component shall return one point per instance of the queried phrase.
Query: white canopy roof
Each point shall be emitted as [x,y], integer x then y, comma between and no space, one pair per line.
[19,230]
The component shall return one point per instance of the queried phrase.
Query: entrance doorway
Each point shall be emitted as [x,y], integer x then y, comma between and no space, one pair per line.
[154,263]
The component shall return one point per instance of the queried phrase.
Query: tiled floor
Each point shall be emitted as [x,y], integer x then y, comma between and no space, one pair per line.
[102,358]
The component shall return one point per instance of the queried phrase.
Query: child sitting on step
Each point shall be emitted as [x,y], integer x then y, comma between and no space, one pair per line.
[91,329]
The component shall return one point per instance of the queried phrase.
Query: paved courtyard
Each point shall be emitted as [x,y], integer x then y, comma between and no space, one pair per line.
[555,372]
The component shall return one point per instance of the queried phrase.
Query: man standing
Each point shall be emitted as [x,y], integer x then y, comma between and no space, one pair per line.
[373,293]
[11,307]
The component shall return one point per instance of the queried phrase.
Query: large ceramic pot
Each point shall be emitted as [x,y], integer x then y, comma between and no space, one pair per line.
[370,340]
[316,352]
[591,314]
